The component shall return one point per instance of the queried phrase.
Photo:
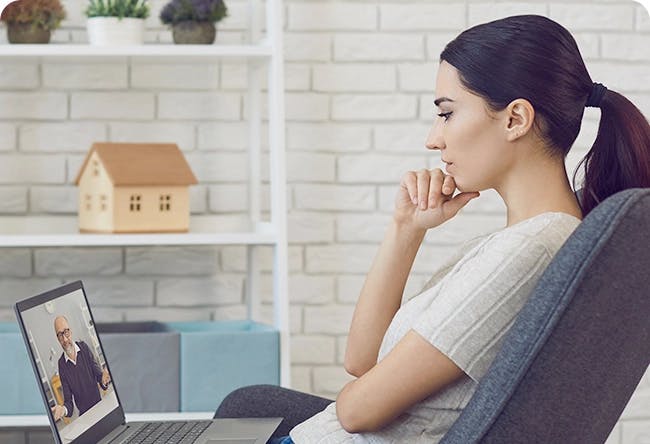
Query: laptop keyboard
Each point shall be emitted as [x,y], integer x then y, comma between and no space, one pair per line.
[184,432]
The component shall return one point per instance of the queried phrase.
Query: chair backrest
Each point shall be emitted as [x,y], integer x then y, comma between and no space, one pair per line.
[580,344]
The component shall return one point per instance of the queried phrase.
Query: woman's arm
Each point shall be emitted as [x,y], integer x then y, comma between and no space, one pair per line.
[421,203]
[460,332]
[411,372]
[381,296]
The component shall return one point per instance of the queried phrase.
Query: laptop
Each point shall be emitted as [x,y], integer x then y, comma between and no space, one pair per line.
[79,392]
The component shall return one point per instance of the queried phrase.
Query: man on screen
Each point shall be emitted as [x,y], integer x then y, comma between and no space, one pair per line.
[79,371]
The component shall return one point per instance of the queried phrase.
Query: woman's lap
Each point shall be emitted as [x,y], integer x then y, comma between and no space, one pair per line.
[269,401]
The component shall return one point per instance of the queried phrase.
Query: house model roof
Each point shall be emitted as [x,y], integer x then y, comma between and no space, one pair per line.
[142,164]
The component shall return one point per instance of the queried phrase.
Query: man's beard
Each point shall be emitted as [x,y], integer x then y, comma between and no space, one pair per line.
[69,350]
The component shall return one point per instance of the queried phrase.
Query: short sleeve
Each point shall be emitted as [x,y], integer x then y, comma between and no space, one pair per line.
[479,300]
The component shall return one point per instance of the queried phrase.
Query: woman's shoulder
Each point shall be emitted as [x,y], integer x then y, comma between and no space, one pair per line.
[549,230]
[546,226]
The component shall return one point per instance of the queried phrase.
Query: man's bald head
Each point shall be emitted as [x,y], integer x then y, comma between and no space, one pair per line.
[60,323]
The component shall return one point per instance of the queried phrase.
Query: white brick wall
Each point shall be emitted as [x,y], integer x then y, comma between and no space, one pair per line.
[18,76]
[183,134]
[53,199]
[610,17]
[377,47]
[486,11]
[198,106]
[21,169]
[328,137]
[420,17]
[84,76]
[373,107]
[112,105]
[7,137]
[334,197]
[13,199]
[171,76]
[57,137]
[77,261]
[355,77]
[33,105]
[359,78]
[331,16]
[307,47]
[376,168]
[220,290]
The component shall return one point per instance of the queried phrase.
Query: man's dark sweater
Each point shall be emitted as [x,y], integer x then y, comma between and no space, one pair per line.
[80,381]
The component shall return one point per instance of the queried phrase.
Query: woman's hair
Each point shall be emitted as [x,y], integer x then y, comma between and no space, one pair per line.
[535,58]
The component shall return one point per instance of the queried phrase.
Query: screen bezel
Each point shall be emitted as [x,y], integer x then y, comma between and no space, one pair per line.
[109,422]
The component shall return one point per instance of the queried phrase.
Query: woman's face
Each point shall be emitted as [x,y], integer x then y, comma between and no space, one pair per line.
[471,140]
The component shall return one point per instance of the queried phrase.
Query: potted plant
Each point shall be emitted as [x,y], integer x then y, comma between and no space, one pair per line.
[32,21]
[116,22]
[193,21]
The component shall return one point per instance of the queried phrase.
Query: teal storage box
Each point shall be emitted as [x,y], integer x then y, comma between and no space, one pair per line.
[20,394]
[219,357]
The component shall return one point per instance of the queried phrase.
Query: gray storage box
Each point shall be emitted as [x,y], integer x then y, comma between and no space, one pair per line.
[144,361]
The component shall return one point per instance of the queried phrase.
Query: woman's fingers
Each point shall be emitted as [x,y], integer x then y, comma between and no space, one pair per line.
[409,180]
[428,188]
[435,186]
[424,179]
[448,186]
[454,205]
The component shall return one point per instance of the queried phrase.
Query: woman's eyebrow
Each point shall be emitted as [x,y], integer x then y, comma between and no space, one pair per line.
[437,102]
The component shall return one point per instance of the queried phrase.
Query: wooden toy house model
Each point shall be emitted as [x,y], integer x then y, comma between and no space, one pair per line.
[134,187]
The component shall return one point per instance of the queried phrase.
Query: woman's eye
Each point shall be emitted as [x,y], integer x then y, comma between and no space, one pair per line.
[445,115]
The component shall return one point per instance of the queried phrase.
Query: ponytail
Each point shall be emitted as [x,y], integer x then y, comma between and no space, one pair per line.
[620,155]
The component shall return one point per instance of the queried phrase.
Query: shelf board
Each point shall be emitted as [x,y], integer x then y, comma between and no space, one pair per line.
[147,51]
[62,231]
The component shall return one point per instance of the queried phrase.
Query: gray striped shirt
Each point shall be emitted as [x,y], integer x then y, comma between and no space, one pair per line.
[464,311]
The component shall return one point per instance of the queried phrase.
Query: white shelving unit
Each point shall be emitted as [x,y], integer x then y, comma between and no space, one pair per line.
[62,231]
[55,231]
[262,50]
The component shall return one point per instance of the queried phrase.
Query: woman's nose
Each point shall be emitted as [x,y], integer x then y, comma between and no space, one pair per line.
[434,139]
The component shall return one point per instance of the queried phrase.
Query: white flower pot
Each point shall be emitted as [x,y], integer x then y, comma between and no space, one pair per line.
[110,31]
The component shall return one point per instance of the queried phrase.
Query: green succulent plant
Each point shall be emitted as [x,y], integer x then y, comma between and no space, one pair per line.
[118,8]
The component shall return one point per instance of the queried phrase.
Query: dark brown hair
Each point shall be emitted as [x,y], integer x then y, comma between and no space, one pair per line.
[534,58]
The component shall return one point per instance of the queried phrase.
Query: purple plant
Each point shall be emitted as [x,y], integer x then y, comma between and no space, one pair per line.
[177,11]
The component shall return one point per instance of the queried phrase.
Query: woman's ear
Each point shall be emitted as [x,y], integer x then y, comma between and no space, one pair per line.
[520,115]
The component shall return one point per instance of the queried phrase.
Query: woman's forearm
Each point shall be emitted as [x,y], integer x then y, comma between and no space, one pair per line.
[381,296]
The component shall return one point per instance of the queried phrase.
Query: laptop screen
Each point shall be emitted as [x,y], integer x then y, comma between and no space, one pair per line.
[68,358]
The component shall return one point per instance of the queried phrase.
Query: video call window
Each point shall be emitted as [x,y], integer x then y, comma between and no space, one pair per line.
[71,366]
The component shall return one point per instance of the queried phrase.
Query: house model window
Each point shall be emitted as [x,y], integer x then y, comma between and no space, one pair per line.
[165,202]
[126,181]
[135,202]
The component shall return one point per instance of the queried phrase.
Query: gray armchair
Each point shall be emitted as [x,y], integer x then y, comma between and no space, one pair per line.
[573,357]
[580,345]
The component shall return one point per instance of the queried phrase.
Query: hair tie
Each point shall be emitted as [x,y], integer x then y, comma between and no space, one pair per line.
[598,90]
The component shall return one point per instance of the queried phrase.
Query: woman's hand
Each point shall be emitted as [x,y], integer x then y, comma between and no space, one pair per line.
[424,199]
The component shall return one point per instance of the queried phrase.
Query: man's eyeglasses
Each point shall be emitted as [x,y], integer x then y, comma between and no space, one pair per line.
[63,333]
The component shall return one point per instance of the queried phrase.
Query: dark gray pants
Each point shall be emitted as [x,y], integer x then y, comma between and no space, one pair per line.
[266,401]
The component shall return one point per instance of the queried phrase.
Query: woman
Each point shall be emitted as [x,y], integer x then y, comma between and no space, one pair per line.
[511,96]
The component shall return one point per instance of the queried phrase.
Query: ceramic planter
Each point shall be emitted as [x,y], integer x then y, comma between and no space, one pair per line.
[110,31]
[190,32]
[27,33]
